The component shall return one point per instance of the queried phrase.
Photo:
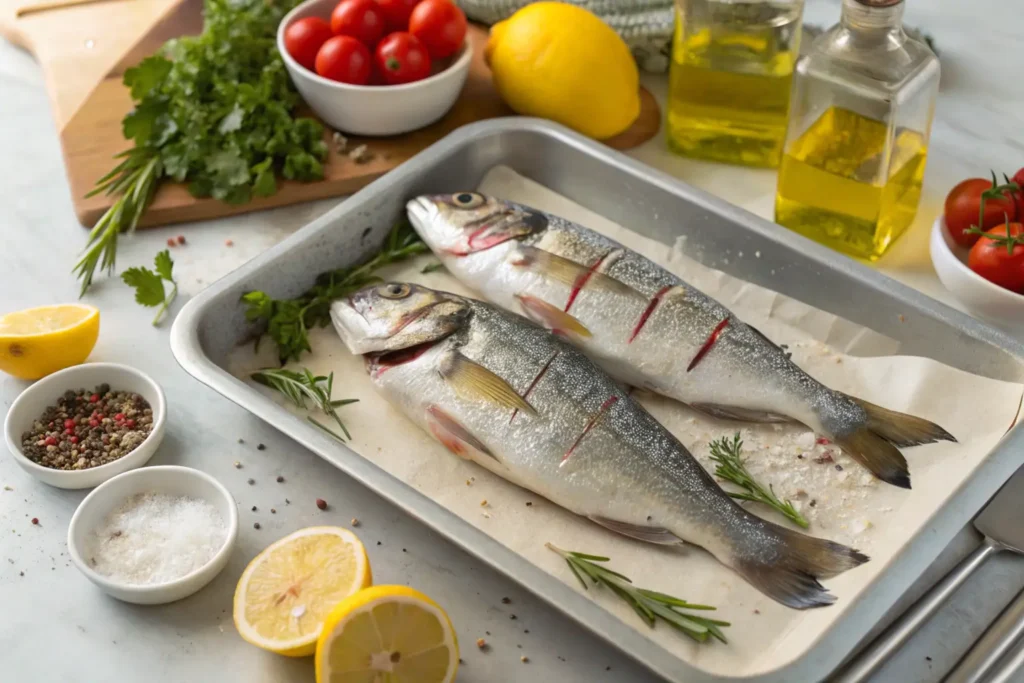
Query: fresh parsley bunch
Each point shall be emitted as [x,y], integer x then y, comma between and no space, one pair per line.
[215,111]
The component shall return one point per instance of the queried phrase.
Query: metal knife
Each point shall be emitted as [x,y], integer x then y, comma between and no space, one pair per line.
[1000,524]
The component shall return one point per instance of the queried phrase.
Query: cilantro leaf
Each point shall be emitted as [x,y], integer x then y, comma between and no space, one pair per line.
[164,265]
[149,287]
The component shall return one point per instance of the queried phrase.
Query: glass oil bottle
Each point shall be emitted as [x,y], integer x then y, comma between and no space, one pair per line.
[861,114]
[730,78]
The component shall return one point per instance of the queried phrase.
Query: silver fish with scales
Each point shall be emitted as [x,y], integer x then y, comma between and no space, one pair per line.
[500,391]
[649,328]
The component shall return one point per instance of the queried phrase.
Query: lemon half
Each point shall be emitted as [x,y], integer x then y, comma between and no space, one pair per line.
[39,341]
[287,591]
[387,634]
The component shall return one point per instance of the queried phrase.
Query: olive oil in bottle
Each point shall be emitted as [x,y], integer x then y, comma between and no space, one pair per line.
[854,159]
[730,78]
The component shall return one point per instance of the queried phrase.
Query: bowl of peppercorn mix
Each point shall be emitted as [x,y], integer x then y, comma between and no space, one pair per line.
[78,427]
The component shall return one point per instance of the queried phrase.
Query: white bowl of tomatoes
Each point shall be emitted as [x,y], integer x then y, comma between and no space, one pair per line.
[977,248]
[376,67]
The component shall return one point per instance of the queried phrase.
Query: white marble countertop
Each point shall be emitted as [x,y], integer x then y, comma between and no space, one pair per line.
[57,627]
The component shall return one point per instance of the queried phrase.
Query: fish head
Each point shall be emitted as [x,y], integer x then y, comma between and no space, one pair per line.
[396,315]
[463,223]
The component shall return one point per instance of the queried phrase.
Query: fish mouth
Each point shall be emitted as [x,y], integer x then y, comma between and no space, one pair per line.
[352,327]
[420,210]
[380,362]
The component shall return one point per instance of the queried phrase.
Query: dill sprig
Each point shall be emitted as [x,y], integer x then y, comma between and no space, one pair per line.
[300,386]
[726,455]
[650,605]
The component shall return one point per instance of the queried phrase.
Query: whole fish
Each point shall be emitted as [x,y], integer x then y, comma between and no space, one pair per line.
[649,328]
[501,391]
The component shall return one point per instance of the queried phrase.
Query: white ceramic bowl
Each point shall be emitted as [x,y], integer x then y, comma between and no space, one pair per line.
[166,479]
[44,393]
[995,304]
[373,110]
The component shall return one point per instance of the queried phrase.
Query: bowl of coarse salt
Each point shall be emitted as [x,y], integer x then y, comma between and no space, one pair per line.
[154,535]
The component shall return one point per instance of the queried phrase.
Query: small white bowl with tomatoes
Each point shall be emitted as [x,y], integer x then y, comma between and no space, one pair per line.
[977,248]
[376,67]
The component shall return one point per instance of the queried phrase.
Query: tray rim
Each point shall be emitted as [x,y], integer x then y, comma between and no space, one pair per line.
[837,642]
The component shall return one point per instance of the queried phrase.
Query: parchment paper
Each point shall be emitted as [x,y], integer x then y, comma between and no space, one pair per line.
[842,501]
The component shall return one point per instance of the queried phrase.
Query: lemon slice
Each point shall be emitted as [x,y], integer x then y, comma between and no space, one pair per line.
[288,590]
[39,341]
[387,634]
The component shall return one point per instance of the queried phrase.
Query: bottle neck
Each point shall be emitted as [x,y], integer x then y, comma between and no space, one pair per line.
[873,17]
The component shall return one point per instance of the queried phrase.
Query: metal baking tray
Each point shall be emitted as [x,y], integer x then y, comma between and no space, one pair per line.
[662,208]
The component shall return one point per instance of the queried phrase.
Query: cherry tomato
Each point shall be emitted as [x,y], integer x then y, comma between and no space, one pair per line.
[304,38]
[992,259]
[401,58]
[440,25]
[344,59]
[397,12]
[1018,196]
[361,19]
[963,204]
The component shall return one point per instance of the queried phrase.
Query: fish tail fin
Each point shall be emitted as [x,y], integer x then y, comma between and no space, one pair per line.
[789,571]
[876,443]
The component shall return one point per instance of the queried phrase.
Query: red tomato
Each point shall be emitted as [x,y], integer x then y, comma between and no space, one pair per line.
[440,25]
[992,258]
[304,38]
[963,204]
[344,59]
[401,58]
[397,12]
[1018,178]
[361,19]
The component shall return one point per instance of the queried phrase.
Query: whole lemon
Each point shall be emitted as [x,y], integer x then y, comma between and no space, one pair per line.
[561,62]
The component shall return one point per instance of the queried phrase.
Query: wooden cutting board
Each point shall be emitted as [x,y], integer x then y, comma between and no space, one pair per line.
[85,48]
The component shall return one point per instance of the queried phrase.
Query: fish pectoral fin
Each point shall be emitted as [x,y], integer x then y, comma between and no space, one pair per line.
[551,317]
[648,534]
[453,435]
[736,413]
[472,380]
[569,272]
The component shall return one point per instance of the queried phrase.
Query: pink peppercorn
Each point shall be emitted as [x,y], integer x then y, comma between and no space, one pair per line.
[50,441]
[69,423]
[95,398]
[171,242]
[73,439]
[129,423]
[94,422]
[119,417]
[181,239]
[69,431]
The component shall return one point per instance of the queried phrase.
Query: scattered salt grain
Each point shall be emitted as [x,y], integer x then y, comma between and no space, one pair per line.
[154,538]
[805,441]
[861,525]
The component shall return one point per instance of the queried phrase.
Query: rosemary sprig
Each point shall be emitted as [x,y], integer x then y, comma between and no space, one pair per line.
[135,179]
[726,455]
[289,320]
[300,386]
[650,605]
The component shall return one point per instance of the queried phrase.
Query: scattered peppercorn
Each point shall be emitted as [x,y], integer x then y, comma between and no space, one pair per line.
[321,503]
[241,440]
[238,465]
[229,243]
[260,447]
[255,525]
[273,511]
[524,659]
[483,503]
[529,504]
[254,508]
[287,502]
[171,242]
[506,601]
[512,617]
[355,522]
[757,611]
[35,520]
[251,481]
[280,479]
[481,643]
[75,434]
[839,468]
[181,239]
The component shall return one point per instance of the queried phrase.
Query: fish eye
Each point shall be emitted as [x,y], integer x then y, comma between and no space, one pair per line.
[467,200]
[394,290]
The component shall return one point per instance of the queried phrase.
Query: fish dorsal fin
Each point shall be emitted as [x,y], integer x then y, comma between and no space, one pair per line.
[569,272]
[648,534]
[551,317]
[475,382]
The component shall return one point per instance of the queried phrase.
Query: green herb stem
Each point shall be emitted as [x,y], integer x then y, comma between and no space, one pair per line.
[650,605]
[166,304]
[730,467]
[299,387]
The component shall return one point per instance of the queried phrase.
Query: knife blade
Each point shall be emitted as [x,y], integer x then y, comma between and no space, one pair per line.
[1001,527]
